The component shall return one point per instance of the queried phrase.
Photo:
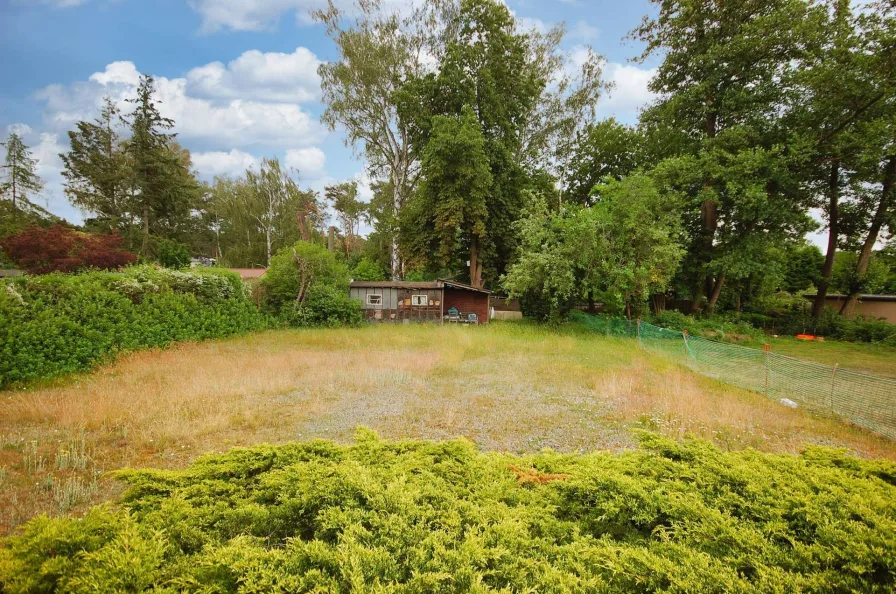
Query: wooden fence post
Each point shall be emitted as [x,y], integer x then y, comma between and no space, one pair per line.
[765,349]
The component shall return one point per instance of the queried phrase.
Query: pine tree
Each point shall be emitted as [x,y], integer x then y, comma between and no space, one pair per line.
[165,189]
[97,174]
[20,178]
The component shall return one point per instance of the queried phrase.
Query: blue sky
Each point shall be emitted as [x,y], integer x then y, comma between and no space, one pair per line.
[238,76]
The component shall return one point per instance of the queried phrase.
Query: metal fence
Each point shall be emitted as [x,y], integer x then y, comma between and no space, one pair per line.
[866,400]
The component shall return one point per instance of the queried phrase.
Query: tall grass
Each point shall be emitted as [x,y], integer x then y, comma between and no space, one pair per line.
[509,387]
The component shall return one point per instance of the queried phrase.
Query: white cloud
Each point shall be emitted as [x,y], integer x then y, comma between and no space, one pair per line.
[212,163]
[249,15]
[532,24]
[271,76]
[309,162]
[258,15]
[233,122]
[583,31]
[18,129]
[630,92]
[46,153]
[45,149]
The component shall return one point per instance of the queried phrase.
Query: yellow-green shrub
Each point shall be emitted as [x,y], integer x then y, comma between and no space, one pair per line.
[442,517]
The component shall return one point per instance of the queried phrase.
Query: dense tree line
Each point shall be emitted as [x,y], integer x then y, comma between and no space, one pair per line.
[766,109]
[491,166]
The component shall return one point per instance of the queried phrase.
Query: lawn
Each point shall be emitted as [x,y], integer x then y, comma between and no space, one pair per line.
[863,357]
[508,387]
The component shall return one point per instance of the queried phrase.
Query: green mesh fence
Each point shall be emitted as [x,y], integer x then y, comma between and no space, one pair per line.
[866,400]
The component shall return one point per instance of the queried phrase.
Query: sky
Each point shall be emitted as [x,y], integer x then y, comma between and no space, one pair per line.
[239,77]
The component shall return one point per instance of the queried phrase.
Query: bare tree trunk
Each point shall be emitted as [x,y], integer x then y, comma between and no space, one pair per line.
[475,264]
[396,204]
[709,215]
[144,248]
[833,235]
[880,217]
[267,239]
[716,291]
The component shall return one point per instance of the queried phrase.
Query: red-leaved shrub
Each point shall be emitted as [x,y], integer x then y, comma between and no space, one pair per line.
[60,249]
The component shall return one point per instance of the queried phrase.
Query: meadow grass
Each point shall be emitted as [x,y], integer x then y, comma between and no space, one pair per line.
[876,359]
[508,387]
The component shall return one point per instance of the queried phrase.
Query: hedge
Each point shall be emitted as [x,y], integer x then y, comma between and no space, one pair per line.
[61,323]
[414,516]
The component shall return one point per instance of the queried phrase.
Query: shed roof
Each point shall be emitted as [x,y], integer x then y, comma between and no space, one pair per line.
[436,284]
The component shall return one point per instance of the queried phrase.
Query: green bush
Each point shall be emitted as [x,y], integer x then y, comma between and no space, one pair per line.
[325,306]
[62,323]
[441,517]
[719,327]
[367,270]
[307,285]
[173,254]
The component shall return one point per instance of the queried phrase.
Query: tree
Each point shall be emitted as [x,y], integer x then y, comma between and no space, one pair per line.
[296,268]
[276,203]
[98,174]
[257,214]
[173,254]
[721,84]
[378,50]
[604,150]
[845,281]
[20,178]
[626,246]
[344,199]
[165,190]
[454,195]
[62,249]
[802,267]
[366,270]
[527,106]
[878,28]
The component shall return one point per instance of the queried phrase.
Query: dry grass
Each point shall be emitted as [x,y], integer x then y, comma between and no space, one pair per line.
[509,387]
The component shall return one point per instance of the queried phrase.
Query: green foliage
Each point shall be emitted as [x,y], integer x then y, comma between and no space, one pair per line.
[453,199]
[325,306]
[306,285]
[19,174]
[607,149]
[349,210]
[172,254]
[844,279]
[802,269]
[63,323]
[367,270]
[718,327]
[441,517]
[625,246]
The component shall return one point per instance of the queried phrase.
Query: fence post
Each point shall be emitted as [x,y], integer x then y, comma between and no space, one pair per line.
[765,349]
[687,349]
[640,344]
[833,378]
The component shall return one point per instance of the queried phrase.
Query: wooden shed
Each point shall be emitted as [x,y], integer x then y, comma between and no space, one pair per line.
[434,301]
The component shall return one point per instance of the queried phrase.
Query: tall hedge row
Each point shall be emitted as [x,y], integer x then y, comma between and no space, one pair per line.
[61,323]
[415,517]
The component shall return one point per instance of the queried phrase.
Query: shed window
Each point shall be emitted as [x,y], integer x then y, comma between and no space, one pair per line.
[420,300]
[374,300]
